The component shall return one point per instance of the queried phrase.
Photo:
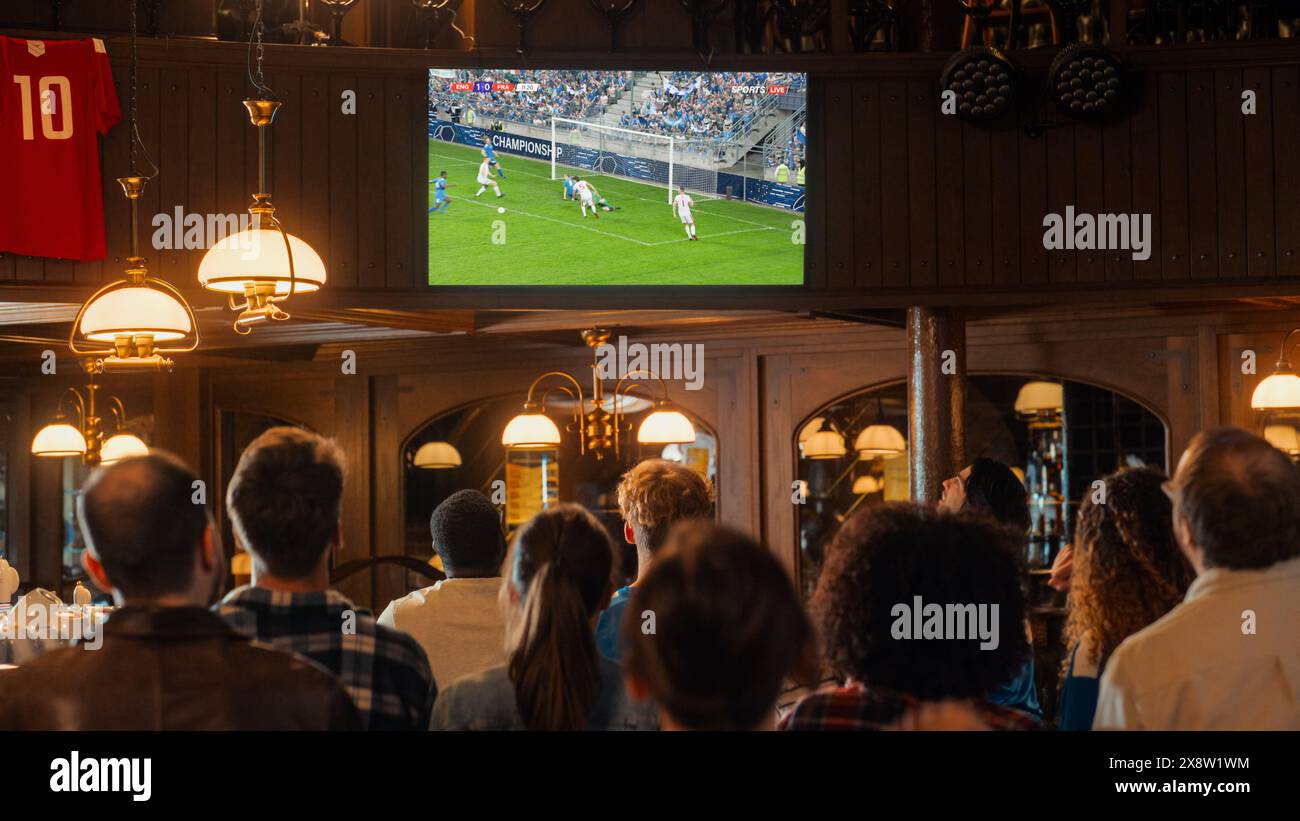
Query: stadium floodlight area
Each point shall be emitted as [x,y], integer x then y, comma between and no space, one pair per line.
[606,150]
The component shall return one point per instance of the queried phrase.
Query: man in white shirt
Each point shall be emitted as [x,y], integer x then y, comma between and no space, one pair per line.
[586,196]
[682,205]
[458,621]
[1228,657]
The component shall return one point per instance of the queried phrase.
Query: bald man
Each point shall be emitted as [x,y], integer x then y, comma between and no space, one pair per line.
[166,662]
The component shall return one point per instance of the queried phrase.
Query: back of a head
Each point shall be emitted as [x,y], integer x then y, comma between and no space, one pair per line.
[284,499]
[1240,498]
[729,628]
[563,567]
[140,520]
[881,560]
[466,532]
[656,494]
[993,490]
[1128,570]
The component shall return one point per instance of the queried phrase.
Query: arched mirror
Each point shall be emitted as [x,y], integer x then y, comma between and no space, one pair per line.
[462,448]
[1058,434]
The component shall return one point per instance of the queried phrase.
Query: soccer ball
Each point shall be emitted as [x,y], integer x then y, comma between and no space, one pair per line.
[501,210]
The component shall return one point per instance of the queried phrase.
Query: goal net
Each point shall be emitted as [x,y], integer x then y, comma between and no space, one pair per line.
[611,151]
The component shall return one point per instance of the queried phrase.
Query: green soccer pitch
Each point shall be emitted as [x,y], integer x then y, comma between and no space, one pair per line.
[542,239]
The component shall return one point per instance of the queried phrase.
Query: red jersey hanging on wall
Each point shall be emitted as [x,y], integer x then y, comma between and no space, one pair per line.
[56,97]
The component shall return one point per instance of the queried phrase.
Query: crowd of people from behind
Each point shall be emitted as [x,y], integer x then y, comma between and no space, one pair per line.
[1184,596]
[575,94]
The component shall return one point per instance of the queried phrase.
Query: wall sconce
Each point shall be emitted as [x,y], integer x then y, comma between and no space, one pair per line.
[599,421]
[86,439]
[1281,388]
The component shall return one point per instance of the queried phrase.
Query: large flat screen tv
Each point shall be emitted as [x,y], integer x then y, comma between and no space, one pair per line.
[616,178]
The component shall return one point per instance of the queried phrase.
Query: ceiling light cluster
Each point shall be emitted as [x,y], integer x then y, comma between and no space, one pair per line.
[80,431]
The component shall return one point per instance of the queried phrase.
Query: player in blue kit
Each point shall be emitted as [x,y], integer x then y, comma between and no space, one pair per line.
[568,186]
[491,154]
[440,199]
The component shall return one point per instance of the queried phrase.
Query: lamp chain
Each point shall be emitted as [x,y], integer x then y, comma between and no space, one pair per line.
[136,142]
[258,79]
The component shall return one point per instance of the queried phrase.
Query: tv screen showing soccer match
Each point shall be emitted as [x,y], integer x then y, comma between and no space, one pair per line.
[592,177]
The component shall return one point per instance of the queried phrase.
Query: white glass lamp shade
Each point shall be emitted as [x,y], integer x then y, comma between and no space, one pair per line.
[135,310]
[824,444]
[1277,390]
[59,439]
[531,430]
[814,425]
[122,446]
[1037,398]
[880,441]
[436,456]
[666,427]
[258,256]
[866,484]
[1283,437]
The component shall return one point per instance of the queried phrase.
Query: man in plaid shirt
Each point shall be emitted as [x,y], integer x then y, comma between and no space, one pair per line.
[284,502]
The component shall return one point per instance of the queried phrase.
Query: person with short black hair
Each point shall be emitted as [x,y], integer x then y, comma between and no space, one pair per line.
[886,570]
[458,621]
[1225,658]
[165,662]
[728,629]
[285,501]
[561,573]
[989,488]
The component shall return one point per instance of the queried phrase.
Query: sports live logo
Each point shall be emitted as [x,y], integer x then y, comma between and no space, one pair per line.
[771,89]
[487,86]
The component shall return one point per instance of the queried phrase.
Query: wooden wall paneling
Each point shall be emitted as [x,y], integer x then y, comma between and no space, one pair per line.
[314,159]
[404,105]
[232,191]
[977,170]
[923,228]
[1260,233]
[1090,195]
[839,148]
[30,269]
[351,429]
[18,482]
[200,158]
[866,184]
[342,170]
[1145,132]
[894,192]
[1202,176]
[114,163]
[287,171]
[816,200]
[1117,189]
[950,200]
[1060,194]
[1173,218]
[172,155]
[387,493]
[777,433]
[1230,172]
[1034,258]
[372,143]
[1286,172]
[1004,156]
[8,265]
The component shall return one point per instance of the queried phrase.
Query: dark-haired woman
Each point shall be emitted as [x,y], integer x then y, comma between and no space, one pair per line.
[561,575]
[1127,573]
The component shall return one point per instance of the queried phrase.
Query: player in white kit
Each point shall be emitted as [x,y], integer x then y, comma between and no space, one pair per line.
[485,180]
[682,205]
[586,196]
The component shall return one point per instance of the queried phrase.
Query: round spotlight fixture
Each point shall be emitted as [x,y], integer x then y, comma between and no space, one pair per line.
[1087,82]
[983,80]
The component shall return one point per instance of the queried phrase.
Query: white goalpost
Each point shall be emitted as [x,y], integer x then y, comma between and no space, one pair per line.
[612,151]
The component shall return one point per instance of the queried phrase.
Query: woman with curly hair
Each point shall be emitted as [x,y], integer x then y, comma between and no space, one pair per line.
[1127,573]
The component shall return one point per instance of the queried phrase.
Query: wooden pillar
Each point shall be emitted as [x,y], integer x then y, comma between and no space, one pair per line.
[936,393]
[352,432]
[182,405]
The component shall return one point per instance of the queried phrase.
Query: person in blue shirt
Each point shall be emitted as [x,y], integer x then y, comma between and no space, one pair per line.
[991,489]
[653,496]
[491,154]
[1127,573]
[440,199]
[568,186]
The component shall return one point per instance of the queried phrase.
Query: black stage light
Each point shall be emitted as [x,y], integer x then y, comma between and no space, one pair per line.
[983,81]
[1088,82]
